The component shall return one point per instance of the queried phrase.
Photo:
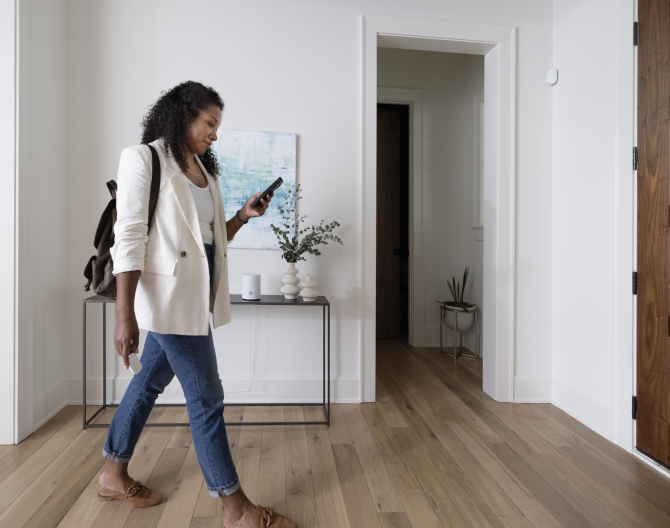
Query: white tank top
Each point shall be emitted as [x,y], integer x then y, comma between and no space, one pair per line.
[205,207]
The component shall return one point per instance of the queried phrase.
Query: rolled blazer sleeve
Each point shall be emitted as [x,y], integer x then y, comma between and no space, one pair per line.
[132,210]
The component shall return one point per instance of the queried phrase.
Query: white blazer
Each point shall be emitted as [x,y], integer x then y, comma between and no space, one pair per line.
[173,294]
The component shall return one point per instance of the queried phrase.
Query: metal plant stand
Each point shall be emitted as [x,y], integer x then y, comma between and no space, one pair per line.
[459,352]
[265,300]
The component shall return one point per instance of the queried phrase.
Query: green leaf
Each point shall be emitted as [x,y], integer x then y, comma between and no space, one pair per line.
[453,294]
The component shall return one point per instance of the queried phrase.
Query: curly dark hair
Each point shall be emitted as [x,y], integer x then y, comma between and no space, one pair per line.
[172,114]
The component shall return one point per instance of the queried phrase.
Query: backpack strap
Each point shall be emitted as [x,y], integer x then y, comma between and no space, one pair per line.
[111,185]
[155,184]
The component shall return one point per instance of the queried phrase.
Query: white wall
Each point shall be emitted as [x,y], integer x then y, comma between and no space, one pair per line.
[49,209]
[449,82]
[33,230]
[593,180]
[119,60]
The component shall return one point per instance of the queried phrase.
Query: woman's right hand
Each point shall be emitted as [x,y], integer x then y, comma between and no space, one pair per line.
[126,331]
[126,336]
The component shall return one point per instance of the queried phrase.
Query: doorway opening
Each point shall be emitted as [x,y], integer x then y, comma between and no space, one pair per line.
[447,201]
[497,45]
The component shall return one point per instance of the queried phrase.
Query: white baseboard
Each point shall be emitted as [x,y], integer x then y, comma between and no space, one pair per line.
[532,390]
[583,408]
[265,389]
[47,404]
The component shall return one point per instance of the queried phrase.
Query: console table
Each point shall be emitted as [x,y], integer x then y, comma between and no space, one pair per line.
[265,300]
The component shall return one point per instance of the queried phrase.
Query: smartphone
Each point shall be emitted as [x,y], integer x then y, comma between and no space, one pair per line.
[135,364]
[271,189]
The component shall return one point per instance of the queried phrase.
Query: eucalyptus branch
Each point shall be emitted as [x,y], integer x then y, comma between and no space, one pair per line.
[294,247]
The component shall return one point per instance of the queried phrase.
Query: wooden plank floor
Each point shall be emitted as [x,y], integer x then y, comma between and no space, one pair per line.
[433,451]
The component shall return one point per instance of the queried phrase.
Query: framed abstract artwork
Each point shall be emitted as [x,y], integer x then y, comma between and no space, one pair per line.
[250,161]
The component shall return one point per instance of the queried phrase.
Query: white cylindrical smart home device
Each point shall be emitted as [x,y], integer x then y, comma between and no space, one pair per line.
[251,286]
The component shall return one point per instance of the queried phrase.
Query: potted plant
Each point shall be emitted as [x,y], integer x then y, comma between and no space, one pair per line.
[465,309]
[294,246]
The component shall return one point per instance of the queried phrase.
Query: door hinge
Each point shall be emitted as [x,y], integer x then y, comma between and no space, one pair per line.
[634,158]
[634,407]
[635,283]
[635,33]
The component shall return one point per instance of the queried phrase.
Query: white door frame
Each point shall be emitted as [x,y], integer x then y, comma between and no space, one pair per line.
[625,229]
[414,99]
[7,209]
[16,353]
[498,45]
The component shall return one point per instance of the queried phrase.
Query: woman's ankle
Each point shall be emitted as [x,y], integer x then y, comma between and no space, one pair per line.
[114,476]
[236,504]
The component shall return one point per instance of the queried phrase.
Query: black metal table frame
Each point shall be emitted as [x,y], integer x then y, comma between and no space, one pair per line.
[235,300]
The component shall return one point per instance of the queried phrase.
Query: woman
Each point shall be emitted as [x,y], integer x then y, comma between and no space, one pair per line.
[168,281]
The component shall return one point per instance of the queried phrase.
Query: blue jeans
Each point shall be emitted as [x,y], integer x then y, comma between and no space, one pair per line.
[193,360]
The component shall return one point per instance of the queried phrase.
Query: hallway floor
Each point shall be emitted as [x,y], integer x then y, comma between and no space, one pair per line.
[433,451]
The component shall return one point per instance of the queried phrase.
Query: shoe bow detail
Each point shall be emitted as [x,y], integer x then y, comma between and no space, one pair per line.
[266,517]
[134,488]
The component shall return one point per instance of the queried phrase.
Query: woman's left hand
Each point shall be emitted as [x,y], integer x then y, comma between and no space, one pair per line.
[248,212]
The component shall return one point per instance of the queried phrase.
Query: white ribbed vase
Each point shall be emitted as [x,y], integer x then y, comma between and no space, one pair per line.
[290,280]
[308,292]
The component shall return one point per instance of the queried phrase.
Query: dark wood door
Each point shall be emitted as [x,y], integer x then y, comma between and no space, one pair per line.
[388,222]
[653,303]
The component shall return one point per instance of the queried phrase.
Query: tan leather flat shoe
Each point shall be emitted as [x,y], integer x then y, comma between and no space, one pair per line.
[268,518]
[136,494]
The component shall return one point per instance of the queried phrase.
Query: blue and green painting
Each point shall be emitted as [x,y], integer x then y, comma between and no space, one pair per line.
[250,161]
